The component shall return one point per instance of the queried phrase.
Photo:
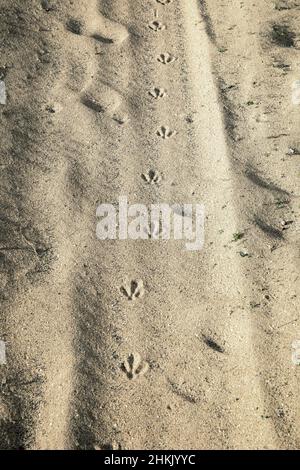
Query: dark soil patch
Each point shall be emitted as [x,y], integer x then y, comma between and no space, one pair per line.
[282,35]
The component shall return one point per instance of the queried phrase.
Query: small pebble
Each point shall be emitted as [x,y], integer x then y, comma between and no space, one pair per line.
[293,151]
[244,254]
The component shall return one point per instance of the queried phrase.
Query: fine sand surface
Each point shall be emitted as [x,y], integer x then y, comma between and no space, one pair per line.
[201,357]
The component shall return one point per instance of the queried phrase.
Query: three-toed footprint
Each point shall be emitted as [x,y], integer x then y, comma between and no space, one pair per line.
[157,26]
[134,290]
[151,177]
[134,367]
[156,231]
[157,93]
[166,58]
[165,132]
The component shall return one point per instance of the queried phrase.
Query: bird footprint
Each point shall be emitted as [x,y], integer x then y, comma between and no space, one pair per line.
[165,132]
[166,58]
[164,2]
[152,177]
[134,367]
[157,26]
[134,290]
[156,230]
[158,93]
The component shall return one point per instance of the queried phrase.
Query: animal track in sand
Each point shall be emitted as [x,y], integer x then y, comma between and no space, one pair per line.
[103,99]
[157,26]
[134,367]
[100,28]
[164,2]
[103,29]
[158,93]
[166,58]
[108,32]
[165,132]
[156,230]
[90,102]
[133,291]
[152,177]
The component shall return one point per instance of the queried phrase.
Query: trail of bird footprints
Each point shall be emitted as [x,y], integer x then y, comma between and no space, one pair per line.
[112,33]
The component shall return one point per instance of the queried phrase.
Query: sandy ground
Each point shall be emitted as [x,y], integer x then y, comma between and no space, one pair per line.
[202,358]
